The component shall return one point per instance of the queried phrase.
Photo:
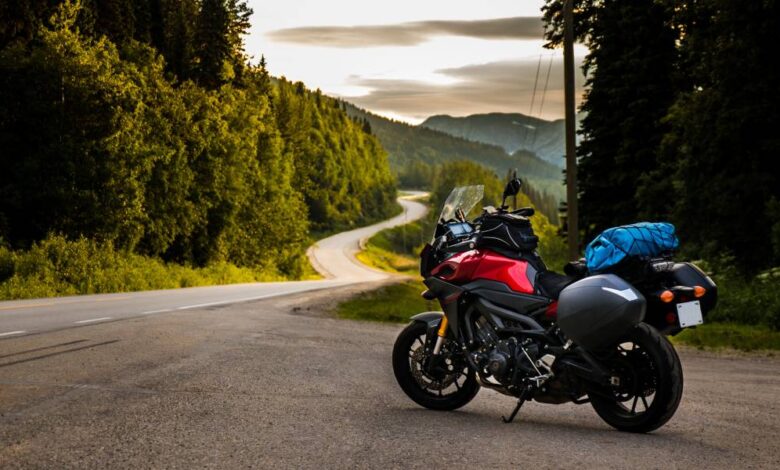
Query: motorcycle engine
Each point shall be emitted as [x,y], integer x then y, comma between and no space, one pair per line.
[507,360]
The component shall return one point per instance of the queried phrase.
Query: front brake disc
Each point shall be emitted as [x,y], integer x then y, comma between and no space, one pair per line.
[424,379]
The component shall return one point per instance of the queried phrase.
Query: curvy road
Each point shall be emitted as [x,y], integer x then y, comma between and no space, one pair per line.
[333,257]
[263,376]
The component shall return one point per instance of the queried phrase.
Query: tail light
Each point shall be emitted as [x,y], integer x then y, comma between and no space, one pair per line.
[666,296]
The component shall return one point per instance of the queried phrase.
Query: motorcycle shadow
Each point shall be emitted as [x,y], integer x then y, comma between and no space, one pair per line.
[565,423]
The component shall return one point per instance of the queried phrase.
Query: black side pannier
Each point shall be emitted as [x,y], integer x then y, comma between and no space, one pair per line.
[507,231]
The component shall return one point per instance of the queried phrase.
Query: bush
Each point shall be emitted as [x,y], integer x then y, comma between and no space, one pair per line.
[744,300]
[57,266]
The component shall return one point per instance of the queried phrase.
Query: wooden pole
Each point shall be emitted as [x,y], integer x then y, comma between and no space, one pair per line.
[571,156]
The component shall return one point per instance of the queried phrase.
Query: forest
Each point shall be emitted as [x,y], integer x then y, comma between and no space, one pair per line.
[682,109]
[141,127]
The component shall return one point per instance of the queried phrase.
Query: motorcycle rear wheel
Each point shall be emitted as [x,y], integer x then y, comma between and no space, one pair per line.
[651,382]
[445,392]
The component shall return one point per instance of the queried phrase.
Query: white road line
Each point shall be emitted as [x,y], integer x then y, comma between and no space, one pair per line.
[232,301]
[156,311]
[93,319]
[13,333]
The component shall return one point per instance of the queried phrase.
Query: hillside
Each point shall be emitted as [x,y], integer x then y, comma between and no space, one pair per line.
[109,138]
[410,148]
[512,132]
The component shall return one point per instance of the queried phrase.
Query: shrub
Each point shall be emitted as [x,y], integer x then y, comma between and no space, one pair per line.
[57,266]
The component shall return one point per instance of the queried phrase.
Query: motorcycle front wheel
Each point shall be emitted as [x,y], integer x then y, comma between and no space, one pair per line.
[650,382]
[451,386]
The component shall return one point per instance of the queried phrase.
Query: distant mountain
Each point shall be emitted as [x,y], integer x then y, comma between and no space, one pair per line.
[408,145]
[413,152]
[512,132]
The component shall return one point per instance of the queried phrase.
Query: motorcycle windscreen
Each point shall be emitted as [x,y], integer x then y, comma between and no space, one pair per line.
[596,311]
[463,198]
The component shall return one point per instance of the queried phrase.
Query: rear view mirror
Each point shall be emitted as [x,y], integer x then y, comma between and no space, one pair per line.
[512,189]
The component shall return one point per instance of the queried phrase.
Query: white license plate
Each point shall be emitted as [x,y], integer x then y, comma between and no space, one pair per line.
[689,314]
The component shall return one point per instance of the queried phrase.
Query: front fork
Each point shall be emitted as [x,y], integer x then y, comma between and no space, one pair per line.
[441,335]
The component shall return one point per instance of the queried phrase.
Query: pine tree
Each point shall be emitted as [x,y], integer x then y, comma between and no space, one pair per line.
[219,41]
[630,65]
[724,143]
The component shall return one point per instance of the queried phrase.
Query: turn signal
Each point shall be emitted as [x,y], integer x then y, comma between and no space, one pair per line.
[699,291]
[667,296]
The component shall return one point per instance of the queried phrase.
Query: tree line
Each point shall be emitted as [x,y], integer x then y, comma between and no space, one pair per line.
[143,124]
[418,155]
[682,111]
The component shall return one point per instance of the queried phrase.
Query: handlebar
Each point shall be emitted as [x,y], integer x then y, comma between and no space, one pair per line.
[525,211]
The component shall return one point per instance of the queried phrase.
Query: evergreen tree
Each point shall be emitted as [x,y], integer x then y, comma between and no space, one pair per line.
[108,146]
[724,143]
[178,46]
[219,41]
[630,87]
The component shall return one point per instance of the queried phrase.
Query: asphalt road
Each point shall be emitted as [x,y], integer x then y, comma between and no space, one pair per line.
[276,382]
[334,257]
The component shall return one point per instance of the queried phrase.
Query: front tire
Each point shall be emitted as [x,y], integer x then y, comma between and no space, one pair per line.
[437,392]
[651,382]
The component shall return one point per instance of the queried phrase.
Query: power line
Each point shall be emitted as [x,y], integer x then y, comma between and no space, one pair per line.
[544,93]
[533,98]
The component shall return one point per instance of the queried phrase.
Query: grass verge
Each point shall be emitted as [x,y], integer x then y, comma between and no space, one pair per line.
[394,303]
[396,249]
[389,261]
[718,336]
[57,266]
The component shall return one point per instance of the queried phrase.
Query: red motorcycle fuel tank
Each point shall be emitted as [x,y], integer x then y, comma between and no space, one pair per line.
[486,264]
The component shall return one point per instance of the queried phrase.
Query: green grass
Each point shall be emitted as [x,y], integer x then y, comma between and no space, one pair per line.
[718,336]
[388,261]
[396,249]
[395,303]
[57,266]
[398,302]
[747,317]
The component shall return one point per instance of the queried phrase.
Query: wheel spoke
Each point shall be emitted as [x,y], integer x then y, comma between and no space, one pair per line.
[420,341]
[633,406]
[644,401]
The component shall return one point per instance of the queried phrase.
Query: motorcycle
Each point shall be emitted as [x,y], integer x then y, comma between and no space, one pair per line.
[510,324]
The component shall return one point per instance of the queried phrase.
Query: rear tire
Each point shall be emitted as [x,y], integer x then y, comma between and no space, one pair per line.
[651,370]
[461,385]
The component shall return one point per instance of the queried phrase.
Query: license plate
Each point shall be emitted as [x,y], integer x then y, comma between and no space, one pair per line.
[689,314]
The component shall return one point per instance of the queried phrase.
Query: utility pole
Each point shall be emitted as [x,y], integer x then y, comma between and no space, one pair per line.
[571,156]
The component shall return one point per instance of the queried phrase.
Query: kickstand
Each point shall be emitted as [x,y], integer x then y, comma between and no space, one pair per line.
[511,418]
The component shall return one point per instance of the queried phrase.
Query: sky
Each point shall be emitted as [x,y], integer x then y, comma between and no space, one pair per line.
[412,59]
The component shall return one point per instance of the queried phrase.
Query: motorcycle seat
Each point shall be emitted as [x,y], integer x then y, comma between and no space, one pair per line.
[551,283]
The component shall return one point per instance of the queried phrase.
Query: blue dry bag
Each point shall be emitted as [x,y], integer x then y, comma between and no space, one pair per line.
[645,239]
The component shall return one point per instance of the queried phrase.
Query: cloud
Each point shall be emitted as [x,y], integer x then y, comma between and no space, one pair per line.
[409,34]
[503,86]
